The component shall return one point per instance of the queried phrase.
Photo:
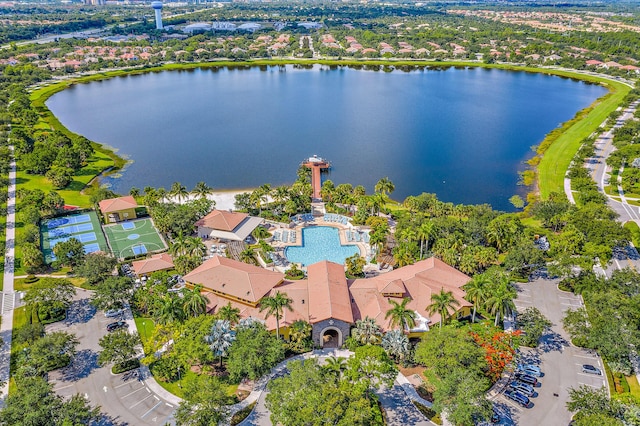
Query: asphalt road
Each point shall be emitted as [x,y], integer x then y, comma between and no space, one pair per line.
[560,362]
[125,399]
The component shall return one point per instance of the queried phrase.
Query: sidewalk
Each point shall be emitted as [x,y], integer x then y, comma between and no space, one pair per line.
[7,311]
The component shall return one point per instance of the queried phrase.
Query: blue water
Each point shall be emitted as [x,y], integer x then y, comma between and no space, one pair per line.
[460,133]
[320,243]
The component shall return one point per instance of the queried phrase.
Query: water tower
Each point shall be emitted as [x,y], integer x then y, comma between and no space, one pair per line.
[157,6]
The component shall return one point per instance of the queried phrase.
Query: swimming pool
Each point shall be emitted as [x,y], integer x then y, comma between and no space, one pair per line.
[320,243]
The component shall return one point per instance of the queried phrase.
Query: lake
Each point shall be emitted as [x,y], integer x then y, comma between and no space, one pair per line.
[460,133]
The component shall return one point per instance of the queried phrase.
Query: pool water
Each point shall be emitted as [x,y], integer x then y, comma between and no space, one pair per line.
[320,243]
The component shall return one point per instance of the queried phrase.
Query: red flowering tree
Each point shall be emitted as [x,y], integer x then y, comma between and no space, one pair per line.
[499,346]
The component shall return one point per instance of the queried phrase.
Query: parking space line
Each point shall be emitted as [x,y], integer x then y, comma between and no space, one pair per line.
[589,375]
[587,384]
[150,410]
[128,382]
[168,405]
[140,402]
[131,393]
[63,387]
[592,357]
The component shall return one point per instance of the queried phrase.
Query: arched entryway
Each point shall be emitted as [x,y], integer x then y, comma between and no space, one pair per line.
[331,337]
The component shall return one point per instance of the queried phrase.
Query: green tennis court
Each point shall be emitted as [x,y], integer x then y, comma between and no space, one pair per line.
[84,227]
[134,238]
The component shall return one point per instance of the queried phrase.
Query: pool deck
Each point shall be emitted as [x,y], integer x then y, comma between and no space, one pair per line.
[364,248]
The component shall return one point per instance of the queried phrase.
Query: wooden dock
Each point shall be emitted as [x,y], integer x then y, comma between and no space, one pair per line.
[317,166]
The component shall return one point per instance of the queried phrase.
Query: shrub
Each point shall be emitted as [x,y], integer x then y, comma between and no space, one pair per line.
[30,279]
[429,413]
[239,416]
[126,366]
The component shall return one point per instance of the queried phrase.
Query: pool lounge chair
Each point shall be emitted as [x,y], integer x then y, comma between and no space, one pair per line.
[365,237]
[276,236]
[285,236]
[357,237]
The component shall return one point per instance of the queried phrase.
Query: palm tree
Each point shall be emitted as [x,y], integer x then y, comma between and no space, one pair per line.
[229,313]
[178,191]
[441,303]
[274,305]
[335,366]
[220,338]
[300,334]
[169,310]
[384,185]
[476,292]
[202,190]
[134,192]
[401,316]
[367,331]
[425,232]
[195,303]
[179,246]
[396,344]
[195,247]
[246,256]
[501,303]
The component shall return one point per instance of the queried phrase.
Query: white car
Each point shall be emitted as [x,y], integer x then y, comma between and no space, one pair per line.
[532,370]
[590,369]
[112,313]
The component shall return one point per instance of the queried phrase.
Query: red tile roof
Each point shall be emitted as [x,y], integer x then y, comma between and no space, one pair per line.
[117,204]
[222,220]
[157,262]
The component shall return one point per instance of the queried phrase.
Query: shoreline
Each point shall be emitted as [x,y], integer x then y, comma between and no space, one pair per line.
[44,90]
[224,199]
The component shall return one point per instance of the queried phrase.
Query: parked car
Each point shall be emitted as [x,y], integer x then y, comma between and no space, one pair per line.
[116,326]
[112,313]
[532,370]
[517,397]
[590,369]
[523,388]
[525,378]
[495,416]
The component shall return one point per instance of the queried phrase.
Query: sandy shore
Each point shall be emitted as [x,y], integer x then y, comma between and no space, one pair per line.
[225,200]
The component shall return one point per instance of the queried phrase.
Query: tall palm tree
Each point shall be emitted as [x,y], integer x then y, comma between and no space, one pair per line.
[441,303]
[195,247]
[202,190]
[384,185]
[425,232]
[220,338]
[367,331]
[134,192]
[195,303]
[477,292]
[229,313]
[500,303]
[179,246]
[401,316]
[396,344]
[275,305]
[179,191]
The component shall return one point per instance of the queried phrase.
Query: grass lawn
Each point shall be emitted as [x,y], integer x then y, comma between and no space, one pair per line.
[19,319]
[634,386]
[635,232]
[556,159]
[145,328]
[19,284]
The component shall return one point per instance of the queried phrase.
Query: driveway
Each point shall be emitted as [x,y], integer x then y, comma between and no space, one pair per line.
[560,362]
[125,399]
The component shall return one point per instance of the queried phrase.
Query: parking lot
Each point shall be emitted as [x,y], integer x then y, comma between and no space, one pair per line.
[124,398]
[560,362]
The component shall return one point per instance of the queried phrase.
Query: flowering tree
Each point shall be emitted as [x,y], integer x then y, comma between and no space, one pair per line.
[499,346]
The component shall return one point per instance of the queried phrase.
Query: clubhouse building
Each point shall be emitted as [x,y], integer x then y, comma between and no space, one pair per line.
[326,298]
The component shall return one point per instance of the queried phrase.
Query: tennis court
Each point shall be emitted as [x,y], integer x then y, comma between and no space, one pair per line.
[134,238]
[83,227]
